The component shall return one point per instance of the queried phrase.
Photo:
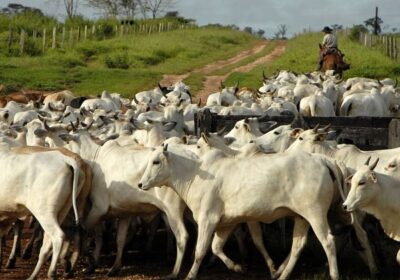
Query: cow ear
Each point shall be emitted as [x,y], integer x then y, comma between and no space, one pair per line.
[165,150]
[372,177]
[247,127]
[205,138]
[348,179]
[296,132]
[320,137]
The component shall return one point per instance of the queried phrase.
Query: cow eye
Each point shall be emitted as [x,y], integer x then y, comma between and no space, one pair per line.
[301,138]
[392,165]
[361,183]
[156,162]
[276,132]
[236,127]
[198,147]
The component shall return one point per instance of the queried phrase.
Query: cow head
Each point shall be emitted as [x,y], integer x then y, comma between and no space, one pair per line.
[364,187]
[157,170]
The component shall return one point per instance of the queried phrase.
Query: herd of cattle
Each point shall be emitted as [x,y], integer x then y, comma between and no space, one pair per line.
[72,163]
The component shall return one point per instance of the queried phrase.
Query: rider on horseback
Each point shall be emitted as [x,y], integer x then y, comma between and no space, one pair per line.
[329,45]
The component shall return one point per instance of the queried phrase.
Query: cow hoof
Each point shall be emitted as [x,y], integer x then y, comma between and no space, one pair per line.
[10,264]
[239,269]
[113,272]
[89,270]
[171,276]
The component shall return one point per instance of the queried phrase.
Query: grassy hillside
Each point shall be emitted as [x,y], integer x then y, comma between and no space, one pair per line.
[301,56]
[125,64]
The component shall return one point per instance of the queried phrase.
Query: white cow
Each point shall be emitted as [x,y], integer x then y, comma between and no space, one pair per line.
[220,206]
[317,105]
[376,194]
[26,177]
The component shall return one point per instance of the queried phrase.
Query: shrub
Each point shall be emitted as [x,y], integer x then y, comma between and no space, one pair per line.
[117,60]
[90,50]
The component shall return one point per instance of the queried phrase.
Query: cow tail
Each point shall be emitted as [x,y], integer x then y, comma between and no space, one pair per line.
[75,184]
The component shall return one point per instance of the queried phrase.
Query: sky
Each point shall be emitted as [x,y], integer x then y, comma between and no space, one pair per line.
[297,15]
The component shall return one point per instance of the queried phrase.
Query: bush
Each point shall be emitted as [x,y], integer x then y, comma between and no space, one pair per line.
[90,50]
[356,30]
[32,48]
[117,60]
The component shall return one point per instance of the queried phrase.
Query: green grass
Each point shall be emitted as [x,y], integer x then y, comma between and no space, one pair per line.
[301,56]
[96,65]
[195,82]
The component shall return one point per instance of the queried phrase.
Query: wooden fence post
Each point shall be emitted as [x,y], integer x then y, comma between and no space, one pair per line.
[85,33]
[53,41]
[10,38]
[44,40]
[34,35]
[122,30]
[79,34]
[63,38]
[22,42]
[71,38]
[93,29]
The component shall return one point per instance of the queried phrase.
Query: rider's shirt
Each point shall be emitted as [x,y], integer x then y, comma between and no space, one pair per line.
[329,41]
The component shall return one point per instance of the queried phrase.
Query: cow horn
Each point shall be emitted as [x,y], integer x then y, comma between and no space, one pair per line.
[367,161]
[221,131]
[246,120]
[379,82]
[46,126]
[237,86]
[325,128]
[159,86]
[315,129]
[51,108]
[135,99]
[72,126]
[339,81]
[372,167]
[165,148]
[222,84]
[264,77]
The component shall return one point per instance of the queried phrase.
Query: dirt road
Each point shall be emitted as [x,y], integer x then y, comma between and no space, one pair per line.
[212,82]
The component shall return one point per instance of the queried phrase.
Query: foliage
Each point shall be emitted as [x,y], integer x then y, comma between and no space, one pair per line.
[117,60]
[372,22]
[356,30]
[280,34]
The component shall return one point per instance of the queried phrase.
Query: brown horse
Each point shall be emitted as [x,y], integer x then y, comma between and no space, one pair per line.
[333,60]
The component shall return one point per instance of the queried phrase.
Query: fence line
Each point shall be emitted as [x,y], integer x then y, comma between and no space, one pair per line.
[386,44]
[58,35]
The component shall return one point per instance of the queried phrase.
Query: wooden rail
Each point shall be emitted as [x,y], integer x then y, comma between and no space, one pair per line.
[365,132]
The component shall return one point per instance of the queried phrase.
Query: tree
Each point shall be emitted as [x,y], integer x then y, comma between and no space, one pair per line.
[71,7]
[248,29]
[108,7]
[356,30]
[260,33]
[281,33]
[337,26]
[375,24]
[155,7]
[129,8]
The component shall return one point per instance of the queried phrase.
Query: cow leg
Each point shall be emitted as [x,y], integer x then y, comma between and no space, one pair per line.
[154,224]
[122,231]
[175,220]
[240,235]
[256,235]
[98,244]
[16,249]
[27,252]
[170,239]
[364,241]
[300,231]
[206,227]
[322,232]
[43,255]
[78,237]
[218,242]
[1,248]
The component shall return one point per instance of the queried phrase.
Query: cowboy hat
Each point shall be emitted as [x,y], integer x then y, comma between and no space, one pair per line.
[327,29]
